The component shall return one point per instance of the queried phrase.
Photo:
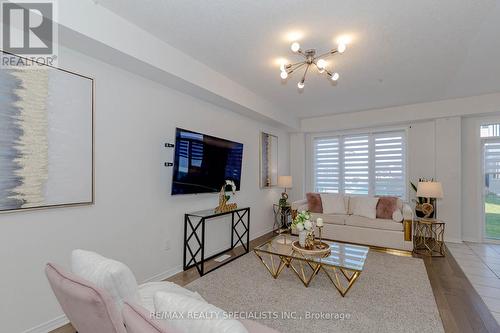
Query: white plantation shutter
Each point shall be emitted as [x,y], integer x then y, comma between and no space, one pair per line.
[356,164]
[389,163]
[327,169]
[361,164]
[492,158]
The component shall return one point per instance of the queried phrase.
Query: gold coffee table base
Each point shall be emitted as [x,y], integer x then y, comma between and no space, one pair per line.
[342,278]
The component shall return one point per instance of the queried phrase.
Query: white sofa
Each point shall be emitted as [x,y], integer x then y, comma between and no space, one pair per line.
[362,230]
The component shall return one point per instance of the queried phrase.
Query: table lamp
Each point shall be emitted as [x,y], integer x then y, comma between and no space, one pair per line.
[284,182]
[430,190]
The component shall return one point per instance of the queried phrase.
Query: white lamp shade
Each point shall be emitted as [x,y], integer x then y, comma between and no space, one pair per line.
[285,181]
[430,190]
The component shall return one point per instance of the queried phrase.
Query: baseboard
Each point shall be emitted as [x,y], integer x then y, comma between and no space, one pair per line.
[164,275]
[471,240]
[452,240]
[60,321]
[49,326]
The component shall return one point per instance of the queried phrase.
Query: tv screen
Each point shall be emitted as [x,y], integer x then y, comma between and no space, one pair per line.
[203,163]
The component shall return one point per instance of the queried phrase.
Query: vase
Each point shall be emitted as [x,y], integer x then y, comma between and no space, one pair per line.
[302,238]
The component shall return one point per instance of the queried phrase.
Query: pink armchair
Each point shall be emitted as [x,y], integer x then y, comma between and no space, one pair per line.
[90,309]
[138,320]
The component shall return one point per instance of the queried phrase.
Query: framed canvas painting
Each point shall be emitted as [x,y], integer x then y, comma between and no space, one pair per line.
[46,138]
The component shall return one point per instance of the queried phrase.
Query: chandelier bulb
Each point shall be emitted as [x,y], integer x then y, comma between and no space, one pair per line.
[335,76]
[321,64]
[282,67]
[300,85]
[284,75]
[341,48]
[295,47]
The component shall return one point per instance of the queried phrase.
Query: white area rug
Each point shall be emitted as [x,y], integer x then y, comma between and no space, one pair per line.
[393,294]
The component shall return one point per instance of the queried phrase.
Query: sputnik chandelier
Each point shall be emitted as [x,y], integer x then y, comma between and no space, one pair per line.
[311,60]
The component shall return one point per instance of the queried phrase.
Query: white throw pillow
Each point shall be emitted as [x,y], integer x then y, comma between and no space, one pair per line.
[198,316]
[397,216]
[147,291]
[364,206]
[108,274]
[333,203]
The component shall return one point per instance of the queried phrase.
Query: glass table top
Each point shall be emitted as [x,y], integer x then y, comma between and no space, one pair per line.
[342,255]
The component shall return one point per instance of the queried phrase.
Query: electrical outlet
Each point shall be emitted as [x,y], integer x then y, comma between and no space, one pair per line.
[167,245]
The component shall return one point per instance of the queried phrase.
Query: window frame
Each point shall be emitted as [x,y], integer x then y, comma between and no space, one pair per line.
[311,158]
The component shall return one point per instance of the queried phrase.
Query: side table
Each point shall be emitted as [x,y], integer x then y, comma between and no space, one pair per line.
[428,237]
[282,217]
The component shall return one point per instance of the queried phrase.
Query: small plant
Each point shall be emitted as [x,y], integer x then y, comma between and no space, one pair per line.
[302,221]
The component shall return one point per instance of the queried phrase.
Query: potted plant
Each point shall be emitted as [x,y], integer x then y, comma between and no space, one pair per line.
[303,225]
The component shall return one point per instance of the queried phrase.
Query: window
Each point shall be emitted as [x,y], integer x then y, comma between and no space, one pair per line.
[361,164]
[491,130]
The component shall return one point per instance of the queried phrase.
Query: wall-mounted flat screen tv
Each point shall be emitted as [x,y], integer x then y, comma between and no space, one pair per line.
[203,163]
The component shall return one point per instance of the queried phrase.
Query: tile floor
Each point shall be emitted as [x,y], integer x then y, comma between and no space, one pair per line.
[481,265]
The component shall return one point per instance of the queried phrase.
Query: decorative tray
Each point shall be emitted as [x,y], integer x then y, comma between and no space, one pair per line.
[320,248]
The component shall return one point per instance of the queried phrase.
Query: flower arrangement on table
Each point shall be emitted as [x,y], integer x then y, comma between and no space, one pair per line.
[224,196]
[303,225]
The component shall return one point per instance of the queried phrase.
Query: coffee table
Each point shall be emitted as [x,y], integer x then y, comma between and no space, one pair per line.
[343,265]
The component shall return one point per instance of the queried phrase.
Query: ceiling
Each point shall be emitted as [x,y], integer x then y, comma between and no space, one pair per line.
[401,51]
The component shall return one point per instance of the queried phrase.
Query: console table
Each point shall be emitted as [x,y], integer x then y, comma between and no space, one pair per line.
[194,229]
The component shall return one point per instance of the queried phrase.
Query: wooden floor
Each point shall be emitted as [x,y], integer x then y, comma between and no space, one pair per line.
[460,307]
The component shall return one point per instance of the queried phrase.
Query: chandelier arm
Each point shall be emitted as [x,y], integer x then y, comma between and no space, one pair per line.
[327,54]
[300,64]
[305,73]
[295,64]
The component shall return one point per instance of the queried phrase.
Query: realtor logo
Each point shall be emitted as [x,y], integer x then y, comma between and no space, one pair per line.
[29,30]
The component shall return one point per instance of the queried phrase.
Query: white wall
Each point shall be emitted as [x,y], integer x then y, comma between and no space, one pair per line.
[443,143]
[434,151]
[134,215]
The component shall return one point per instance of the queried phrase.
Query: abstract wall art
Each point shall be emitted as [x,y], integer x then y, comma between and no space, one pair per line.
[46,138]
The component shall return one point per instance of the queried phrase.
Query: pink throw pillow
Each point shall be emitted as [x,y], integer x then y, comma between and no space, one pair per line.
[386,207]
[314,203]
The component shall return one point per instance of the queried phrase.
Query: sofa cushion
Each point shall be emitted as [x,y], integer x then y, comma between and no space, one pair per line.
[333,203]
[110,275]
[314,203]
[386,206]
[364,222]
[148,290]
[197,316]
[363,206]
[330,218]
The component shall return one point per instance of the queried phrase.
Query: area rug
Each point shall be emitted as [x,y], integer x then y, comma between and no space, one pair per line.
[393,294]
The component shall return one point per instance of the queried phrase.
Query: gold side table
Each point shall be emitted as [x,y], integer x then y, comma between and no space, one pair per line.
[428,237]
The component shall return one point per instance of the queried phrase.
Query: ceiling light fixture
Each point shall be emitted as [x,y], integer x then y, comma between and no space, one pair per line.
[311,59]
